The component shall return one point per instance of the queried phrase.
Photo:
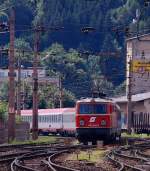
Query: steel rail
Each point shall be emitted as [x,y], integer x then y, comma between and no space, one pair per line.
[122,166]
[56,167]
[18,162]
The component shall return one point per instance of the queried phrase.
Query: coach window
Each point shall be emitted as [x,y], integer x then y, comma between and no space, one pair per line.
[72,118]
[22,117]
[51,118]
[25,118]
[28,118]
[47,118]
[59,118]
[42,118]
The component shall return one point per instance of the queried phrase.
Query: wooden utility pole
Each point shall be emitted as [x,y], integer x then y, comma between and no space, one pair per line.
[19,87]
[61,93]
[11,75]
[35,85]
[129,96]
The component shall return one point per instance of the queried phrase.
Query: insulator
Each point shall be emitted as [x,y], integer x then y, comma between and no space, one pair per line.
[3,26]
[127,31]
[146,3]
[87,29]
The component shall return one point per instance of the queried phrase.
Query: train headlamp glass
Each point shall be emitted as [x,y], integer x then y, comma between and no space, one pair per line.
[103,122]
[82,122]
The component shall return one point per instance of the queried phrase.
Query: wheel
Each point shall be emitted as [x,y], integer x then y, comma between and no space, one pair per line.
[45,133]
[94,142]
[85,142]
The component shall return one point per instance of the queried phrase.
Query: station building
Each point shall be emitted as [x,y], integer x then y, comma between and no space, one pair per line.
[138,62]
[140,104]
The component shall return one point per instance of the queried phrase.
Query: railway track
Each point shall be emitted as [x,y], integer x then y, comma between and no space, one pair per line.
[131,157]
[48,157]
[43,160]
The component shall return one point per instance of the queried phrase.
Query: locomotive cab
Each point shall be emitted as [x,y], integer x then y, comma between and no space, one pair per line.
[97,119]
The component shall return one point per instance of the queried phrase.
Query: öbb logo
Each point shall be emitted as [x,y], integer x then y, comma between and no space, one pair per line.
[92,119]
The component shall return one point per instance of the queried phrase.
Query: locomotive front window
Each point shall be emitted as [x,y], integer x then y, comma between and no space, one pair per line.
[92,109]
[85,109]
[100,109]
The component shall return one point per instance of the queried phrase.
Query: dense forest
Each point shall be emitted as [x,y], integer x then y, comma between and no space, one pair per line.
[73,53]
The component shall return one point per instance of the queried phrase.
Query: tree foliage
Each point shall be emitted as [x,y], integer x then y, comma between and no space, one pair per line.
[3,111]
[61,49]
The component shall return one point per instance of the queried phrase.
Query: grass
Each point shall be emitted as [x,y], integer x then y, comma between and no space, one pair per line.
[135,135]
[40,140]
[93,155]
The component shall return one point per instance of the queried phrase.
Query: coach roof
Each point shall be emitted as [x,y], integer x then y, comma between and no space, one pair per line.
[48,111]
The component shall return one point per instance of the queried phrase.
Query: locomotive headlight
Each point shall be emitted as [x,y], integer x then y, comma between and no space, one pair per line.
[103,123]
[82,122]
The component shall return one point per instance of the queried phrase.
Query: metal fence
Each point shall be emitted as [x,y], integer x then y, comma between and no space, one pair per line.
[141,122]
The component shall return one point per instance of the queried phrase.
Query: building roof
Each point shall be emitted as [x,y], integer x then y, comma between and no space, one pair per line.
[139,36]
[135,98]
[49,111]
[87,100]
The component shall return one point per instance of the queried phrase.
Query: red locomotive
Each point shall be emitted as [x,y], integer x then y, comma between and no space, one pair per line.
[97,119]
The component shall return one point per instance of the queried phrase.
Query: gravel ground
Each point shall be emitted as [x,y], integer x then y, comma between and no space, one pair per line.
[84,165]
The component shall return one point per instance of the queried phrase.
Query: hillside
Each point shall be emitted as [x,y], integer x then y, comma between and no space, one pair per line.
[109,18]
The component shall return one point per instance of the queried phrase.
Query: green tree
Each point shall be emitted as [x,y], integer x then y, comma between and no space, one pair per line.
[3,111]
[4,91]
[120,90]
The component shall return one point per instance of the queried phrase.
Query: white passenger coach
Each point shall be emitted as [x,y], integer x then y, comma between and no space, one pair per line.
[55,121]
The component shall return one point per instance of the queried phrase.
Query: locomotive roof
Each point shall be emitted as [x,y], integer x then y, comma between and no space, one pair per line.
[87,100]
[49,111]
